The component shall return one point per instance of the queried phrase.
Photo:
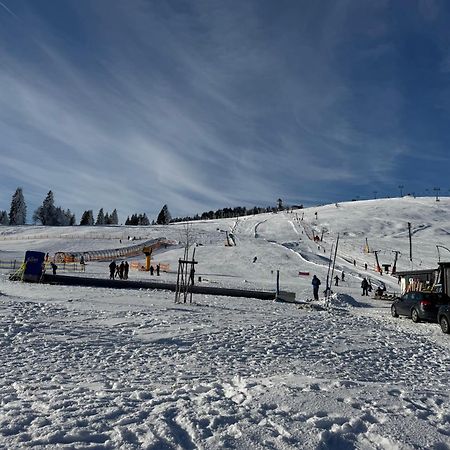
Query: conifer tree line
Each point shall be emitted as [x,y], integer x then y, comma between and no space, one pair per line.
[137,219]
[226,213]
[49,214]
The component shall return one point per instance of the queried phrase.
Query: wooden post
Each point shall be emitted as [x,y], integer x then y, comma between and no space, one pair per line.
[177,292]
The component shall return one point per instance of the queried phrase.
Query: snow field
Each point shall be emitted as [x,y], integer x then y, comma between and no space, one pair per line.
[107,369]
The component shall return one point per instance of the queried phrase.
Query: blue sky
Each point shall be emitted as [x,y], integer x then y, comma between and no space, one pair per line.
[209,104]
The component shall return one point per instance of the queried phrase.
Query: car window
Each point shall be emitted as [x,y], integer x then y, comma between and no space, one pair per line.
[407,297]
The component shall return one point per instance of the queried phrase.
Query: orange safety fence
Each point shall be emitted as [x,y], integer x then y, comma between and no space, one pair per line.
[139,265]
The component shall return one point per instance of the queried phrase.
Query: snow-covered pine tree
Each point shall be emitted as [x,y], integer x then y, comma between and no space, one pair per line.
[100,218]
[164,216]
[18,211]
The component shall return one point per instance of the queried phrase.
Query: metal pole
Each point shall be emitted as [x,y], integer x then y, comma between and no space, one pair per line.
[335,254]
[328,273]
[410,241]
[278,283]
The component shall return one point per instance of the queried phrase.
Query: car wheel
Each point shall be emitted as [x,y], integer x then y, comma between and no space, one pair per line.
[445,326]
[394,311]
[415,316]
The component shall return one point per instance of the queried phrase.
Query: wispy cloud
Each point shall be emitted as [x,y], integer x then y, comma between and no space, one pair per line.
[7,9]
[200,104]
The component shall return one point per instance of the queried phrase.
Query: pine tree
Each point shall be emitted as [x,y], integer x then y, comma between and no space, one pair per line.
[18,211]
[164,216]
[100,218]
[47,213]
[144,220]
[107,219]
[72,219]
[4,218]
[87,218]
[114,218]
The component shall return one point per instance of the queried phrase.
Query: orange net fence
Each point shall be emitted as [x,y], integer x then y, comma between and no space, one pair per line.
[140,265]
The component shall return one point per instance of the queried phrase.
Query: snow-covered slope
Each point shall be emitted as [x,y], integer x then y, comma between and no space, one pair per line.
[102,368]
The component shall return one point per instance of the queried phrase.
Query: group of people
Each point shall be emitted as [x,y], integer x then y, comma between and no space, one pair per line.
[366,286]
[119,270]
[152,270]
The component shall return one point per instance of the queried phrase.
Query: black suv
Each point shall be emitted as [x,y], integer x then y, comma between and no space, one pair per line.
[419,305]
[444,318]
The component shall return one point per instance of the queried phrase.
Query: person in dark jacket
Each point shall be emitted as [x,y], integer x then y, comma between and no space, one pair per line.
[315,283]
[158,268]
[54,267]
[125,270]
[365,286]
[112,270]
[336,280]
[151,270]
[121,270]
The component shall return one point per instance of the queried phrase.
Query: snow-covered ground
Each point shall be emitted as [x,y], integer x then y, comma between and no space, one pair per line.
[107,369]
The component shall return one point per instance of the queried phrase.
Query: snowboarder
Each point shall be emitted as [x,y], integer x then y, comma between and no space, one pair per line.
[158,268]
[125,270]
[336,280]
[315,283]
[112,270]
[365,286]
[54,267]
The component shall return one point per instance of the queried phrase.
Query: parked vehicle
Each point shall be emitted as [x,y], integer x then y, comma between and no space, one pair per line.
[444,318]
[419,305]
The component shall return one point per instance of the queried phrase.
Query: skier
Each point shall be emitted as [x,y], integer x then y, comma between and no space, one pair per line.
[365,287]
[315,283]
[336,280]
[112,270]
[255,258]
